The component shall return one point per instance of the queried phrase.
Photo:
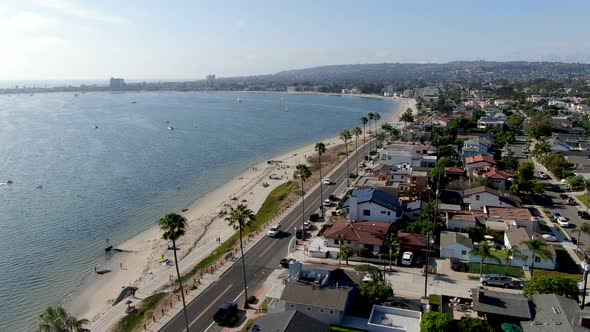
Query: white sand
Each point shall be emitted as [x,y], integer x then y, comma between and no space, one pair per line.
[205,225]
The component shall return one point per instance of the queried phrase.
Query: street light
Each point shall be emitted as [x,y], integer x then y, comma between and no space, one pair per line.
[586,268]
[430,241]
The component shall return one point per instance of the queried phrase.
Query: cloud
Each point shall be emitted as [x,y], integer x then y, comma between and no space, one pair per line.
[69,8]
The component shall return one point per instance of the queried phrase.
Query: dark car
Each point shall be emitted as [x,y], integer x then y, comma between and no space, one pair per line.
[352,175]
[564,196]
[226,313]
[286,261]
[584,214]
[333,198]
[299,233]
[574,240]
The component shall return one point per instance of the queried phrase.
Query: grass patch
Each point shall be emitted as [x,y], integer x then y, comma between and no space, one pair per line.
[574,276]
[513,271]
[248,325]
[336,328]
[264,305]
[132,321]
[267,211]
[566,264]
[584,199]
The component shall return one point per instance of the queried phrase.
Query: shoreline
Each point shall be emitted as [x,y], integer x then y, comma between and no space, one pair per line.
[139,264]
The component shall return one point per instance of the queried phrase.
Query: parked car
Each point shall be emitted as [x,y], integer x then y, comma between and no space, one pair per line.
[286,261]
[314,217]
[525,150]
[584,214]
[327,202]
[299,233]
[227,312]
[327,181]
[574,240]
[274,230]
[543,176]
[333,197]
[498,281]
[563,196]
[407,258]
[549,237]
[556,214]
[563,222]
[307,225]
[352,175]
[362,164]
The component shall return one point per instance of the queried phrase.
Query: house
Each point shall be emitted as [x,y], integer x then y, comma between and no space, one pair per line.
[454,173]
[511,217]
[361,234]
[476,198]
[500,307]
[416,133]
[415,243]
[385,319]
[556,313]
[515,238]
[415,155]
[478,161]
[414,209]
[498,178]
[503,103]
[455,245]
[374,205]
[476,146]
[558,146]
[460,221]
[288,321]
[490,122]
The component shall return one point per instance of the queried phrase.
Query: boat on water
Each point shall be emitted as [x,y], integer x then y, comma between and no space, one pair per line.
[134,102]
[39,186]
[239,100]
[9,182]
[95,127]
[170,128]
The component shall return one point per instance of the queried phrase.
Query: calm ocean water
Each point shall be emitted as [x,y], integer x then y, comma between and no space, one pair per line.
[75,185]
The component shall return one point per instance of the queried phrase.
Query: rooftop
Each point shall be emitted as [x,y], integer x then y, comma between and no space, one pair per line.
[365,232]
[323,297]
[501,213]
[501,303]
[395,319]
[454,170]
[288,321]
[376,196]
[516,237]
[555,313]
[461,216]
[447,238]
[480,158]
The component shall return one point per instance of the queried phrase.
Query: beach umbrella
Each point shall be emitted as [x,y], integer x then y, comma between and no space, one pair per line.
[507,327]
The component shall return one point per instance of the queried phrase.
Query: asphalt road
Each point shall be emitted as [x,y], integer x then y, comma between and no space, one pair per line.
[261,260]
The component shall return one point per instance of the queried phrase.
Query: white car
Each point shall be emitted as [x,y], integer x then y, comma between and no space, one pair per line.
[274,230]
[327,182]
[563,222]
[361,165]
[407,258]
[327,202]
[307,225]
[556,214]
[549,237]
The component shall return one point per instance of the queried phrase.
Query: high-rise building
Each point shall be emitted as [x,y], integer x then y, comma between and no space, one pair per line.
[117,83]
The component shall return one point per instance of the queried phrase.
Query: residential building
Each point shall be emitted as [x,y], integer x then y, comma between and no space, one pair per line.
[477,198]
[373,205]
[478,161]
[389,319]
[497,178]
[512,217]
[503,103]
[361,234]
[460,221]
[288,321]
[491,122]
[556,313]
[414,209]
[455,245]
[416,133]
[500,307]
[515,238]
[415,243]
[454,173]
[116,83]
[413,155]
[476,146]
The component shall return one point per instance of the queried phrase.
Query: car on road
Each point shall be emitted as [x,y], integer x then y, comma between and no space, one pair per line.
[549,237]
[563,222]
[352,175]
[556,214]
[574,240]
[226,314]
[362,164]
[525,150]
[583,214]
[328,182]
[327,202]
[498,281]
[286,261]
[407,258]
[307,225]
[333,198]
[543,176]
[274,230]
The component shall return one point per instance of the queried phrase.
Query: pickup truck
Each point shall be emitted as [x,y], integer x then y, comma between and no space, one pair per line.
[499,281]
[226,313]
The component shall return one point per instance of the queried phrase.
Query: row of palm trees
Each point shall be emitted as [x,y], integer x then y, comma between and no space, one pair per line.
[537,247]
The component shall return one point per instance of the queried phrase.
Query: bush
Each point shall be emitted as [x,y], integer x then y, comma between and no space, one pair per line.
[252,299]
[365,252]
[435,322]
[552,285]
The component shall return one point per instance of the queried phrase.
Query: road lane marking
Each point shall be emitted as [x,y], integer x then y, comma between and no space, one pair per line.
[210,305]
[268,248]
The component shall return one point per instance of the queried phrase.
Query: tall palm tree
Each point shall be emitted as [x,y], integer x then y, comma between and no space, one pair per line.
[58,320]
[345,135]
[320,148]
[508,255]
[346,251]
[484,252]
[302,172]
[173,226]
[240,218]
[340,238]
[391,242]
[371,116]
[538,249]
[376,118]
[357,132]
[585,228]
[364,121]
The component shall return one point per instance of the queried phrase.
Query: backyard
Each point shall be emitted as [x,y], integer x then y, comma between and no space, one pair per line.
[495,269]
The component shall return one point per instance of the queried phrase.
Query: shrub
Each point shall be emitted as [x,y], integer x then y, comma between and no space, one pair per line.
[252,299]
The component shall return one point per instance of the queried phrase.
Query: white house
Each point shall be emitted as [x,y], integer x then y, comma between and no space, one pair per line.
[373,205]
[478,197]
[455,245]
[515,238]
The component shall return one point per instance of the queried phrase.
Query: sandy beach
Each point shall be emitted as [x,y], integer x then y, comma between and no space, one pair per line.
[141,257]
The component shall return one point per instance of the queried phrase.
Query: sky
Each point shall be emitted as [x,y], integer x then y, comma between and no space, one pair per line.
[173,39]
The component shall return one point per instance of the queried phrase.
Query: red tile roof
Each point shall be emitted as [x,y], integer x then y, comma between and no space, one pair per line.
[411,239]
[498,174]
[480,158]
[363,232]
[454,170]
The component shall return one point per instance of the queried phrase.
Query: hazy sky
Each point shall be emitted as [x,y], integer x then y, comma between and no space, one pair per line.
[141,39]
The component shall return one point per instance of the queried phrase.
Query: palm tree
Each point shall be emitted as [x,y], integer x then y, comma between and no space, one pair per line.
[340,238]
[58,320]
[371,116]
[484,252]
[364,121]
[357,132]
[345,135]
[407,116]
[391,242]
[302,172]
[376,118]
[240,218]
[538,249]
[346,251]
[509,255]
[173,226]
[320,148]
[585,228]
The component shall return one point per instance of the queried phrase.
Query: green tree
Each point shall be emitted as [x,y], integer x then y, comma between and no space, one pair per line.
[524,180]
[555,163]
[303,173]
[320,148]
[538,248]
[376,118]
[542,148]
[504,138]
[514,121]
[473,325]
[364,121]
[240,218]
[508,163]
[340,238]
[577,182]
[552,285]
[376,292]
[59,320]
[538,125]
[345,135]
[173,226]
[585,228]
[508,255]
[346,252]
[407,117]
[484,252]
[370,270]
[391,242]
[433,321]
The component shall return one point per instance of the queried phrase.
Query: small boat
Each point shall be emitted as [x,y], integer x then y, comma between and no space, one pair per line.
[9,182]
[167,121]
[184,210]
[239,100]
[76,95]
[170,128]
[39,186]
[95,127]
[134,102]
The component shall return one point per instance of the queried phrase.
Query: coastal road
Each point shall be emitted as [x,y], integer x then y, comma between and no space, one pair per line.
[261,260]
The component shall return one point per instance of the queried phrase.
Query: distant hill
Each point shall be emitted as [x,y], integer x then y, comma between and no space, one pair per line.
[461,70]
